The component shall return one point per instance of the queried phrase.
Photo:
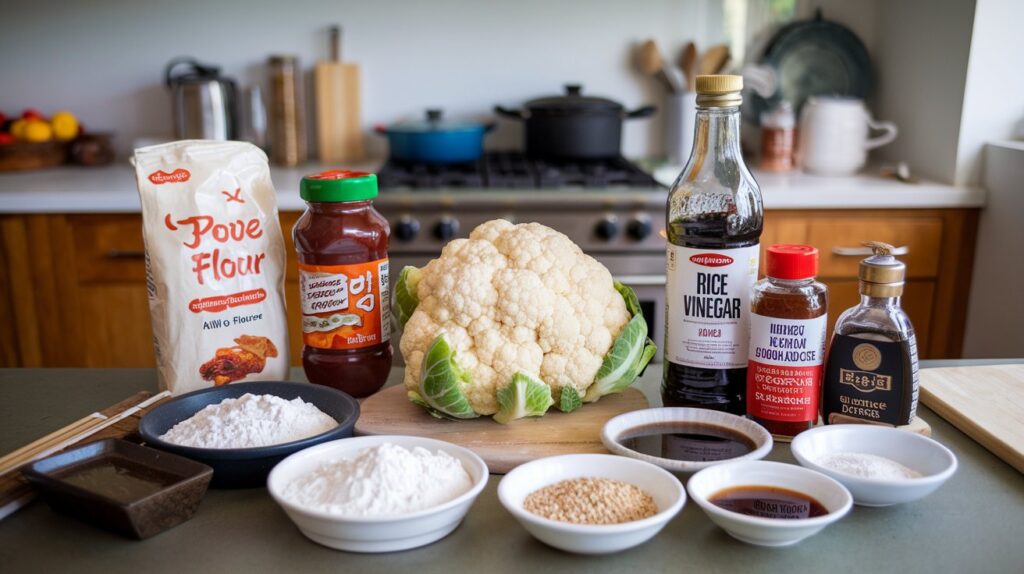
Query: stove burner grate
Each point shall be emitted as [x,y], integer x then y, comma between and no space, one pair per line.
[513,170]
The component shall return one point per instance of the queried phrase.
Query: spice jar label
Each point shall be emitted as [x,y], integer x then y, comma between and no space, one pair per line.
[345,306]
[784,373]
[708,291]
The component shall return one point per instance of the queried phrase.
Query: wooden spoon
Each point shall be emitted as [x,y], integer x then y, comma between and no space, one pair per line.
[713,60]
[688,64]
[650,62]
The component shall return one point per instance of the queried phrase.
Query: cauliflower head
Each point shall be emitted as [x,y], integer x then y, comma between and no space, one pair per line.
[513,319]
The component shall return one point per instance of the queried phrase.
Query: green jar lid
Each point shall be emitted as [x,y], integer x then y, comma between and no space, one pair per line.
[336,185]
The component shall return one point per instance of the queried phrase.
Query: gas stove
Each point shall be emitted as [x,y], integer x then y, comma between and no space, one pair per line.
[513,170]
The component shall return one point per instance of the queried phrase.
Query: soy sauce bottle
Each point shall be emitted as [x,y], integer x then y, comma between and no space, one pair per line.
[871,375]
[714,225]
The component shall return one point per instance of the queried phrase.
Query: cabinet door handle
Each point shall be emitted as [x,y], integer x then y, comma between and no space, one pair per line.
[125,254]
[865,251]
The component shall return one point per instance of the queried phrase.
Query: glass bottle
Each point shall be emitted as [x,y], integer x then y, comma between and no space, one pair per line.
[714,224]
[871,372]
[787,341]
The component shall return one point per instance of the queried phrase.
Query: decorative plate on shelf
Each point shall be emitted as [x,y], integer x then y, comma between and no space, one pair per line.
[811,58]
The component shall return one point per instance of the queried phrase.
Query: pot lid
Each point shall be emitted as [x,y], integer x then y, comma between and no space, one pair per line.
[434,121]
[573,101]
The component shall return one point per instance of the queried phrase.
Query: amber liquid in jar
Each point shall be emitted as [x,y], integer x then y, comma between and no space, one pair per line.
[345,233]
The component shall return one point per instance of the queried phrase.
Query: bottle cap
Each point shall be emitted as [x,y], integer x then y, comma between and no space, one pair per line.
[791,261]
[337,185]
[881,274]
[719,90]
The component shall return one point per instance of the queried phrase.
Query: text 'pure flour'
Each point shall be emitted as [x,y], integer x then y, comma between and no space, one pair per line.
[215,263]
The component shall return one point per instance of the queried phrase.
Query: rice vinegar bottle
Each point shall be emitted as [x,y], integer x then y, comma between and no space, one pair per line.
[714,225]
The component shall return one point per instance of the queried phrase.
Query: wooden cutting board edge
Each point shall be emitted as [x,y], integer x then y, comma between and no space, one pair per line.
[501,454]
[971,428]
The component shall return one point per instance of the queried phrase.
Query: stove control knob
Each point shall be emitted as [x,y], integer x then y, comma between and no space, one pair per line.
[639,228]
[607,228]
[406,228]
[447,228]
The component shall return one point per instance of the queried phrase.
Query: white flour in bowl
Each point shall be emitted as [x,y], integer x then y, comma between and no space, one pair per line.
[867,466]
[250,421]
[385,480]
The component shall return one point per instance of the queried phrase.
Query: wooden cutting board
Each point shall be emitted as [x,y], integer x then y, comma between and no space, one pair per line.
[986,403]
[339,128]
[503,447]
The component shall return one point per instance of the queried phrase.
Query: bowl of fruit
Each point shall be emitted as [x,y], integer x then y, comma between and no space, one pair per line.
[35,141]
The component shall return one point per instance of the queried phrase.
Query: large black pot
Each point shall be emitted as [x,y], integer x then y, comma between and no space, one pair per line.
[573,126]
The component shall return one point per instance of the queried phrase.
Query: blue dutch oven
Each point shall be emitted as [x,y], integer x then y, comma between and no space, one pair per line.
[436,140]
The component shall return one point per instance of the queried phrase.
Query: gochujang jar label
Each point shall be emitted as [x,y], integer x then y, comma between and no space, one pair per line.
[785,368]
[345,306]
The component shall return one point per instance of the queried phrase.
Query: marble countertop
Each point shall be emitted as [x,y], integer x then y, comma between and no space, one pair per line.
[112,189]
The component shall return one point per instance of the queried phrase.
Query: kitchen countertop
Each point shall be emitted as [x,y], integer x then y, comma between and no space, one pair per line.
[971,524]
[112,190]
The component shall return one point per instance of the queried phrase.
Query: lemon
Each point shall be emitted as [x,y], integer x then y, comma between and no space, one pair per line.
[18,128]
[37,131]
[65,125]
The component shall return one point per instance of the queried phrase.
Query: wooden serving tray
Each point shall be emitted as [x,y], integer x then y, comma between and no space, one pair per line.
[503,447]
[15,492]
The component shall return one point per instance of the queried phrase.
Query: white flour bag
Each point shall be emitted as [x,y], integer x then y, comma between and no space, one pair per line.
[215,263]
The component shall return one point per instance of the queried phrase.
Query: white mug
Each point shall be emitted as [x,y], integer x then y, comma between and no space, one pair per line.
[834,135]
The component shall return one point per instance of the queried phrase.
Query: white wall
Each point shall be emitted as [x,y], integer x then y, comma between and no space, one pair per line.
[994,94]
[995,314]
[922,48]
[103,59]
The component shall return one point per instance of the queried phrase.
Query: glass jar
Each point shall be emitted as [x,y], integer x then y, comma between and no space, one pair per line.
[342,245]
[287,111]
[787,341]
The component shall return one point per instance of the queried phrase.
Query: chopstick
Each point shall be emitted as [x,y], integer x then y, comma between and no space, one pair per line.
[18,457]
[69,435]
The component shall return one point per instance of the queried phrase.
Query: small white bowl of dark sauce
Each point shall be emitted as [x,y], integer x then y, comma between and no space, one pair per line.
[682,439]
[769,503]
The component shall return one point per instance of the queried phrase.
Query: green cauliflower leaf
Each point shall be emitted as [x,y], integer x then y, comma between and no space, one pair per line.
[525,396]
[405,301]
[629,355]
[441,381]
[570,399]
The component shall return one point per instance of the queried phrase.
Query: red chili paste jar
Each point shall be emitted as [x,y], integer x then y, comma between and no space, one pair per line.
[342,243]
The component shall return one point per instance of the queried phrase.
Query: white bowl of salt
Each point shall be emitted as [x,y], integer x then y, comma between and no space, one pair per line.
[881,466]
[378,493]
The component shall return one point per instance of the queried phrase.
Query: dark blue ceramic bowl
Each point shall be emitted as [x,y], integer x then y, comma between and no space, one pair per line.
[247,467]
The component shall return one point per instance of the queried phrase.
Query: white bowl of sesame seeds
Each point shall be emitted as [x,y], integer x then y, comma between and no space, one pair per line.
[591,503]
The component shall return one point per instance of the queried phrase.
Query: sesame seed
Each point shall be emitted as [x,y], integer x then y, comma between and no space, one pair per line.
[591,501]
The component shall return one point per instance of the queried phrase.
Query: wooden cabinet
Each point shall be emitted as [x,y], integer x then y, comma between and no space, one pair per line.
[73,287]
[939,255]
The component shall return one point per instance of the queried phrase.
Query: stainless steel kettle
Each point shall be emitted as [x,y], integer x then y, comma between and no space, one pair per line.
[204,103]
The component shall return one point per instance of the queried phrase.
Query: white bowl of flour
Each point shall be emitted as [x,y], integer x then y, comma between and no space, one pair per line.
[881,466]
[378,493]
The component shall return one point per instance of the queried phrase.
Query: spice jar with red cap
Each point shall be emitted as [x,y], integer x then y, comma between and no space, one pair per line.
[787,341]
